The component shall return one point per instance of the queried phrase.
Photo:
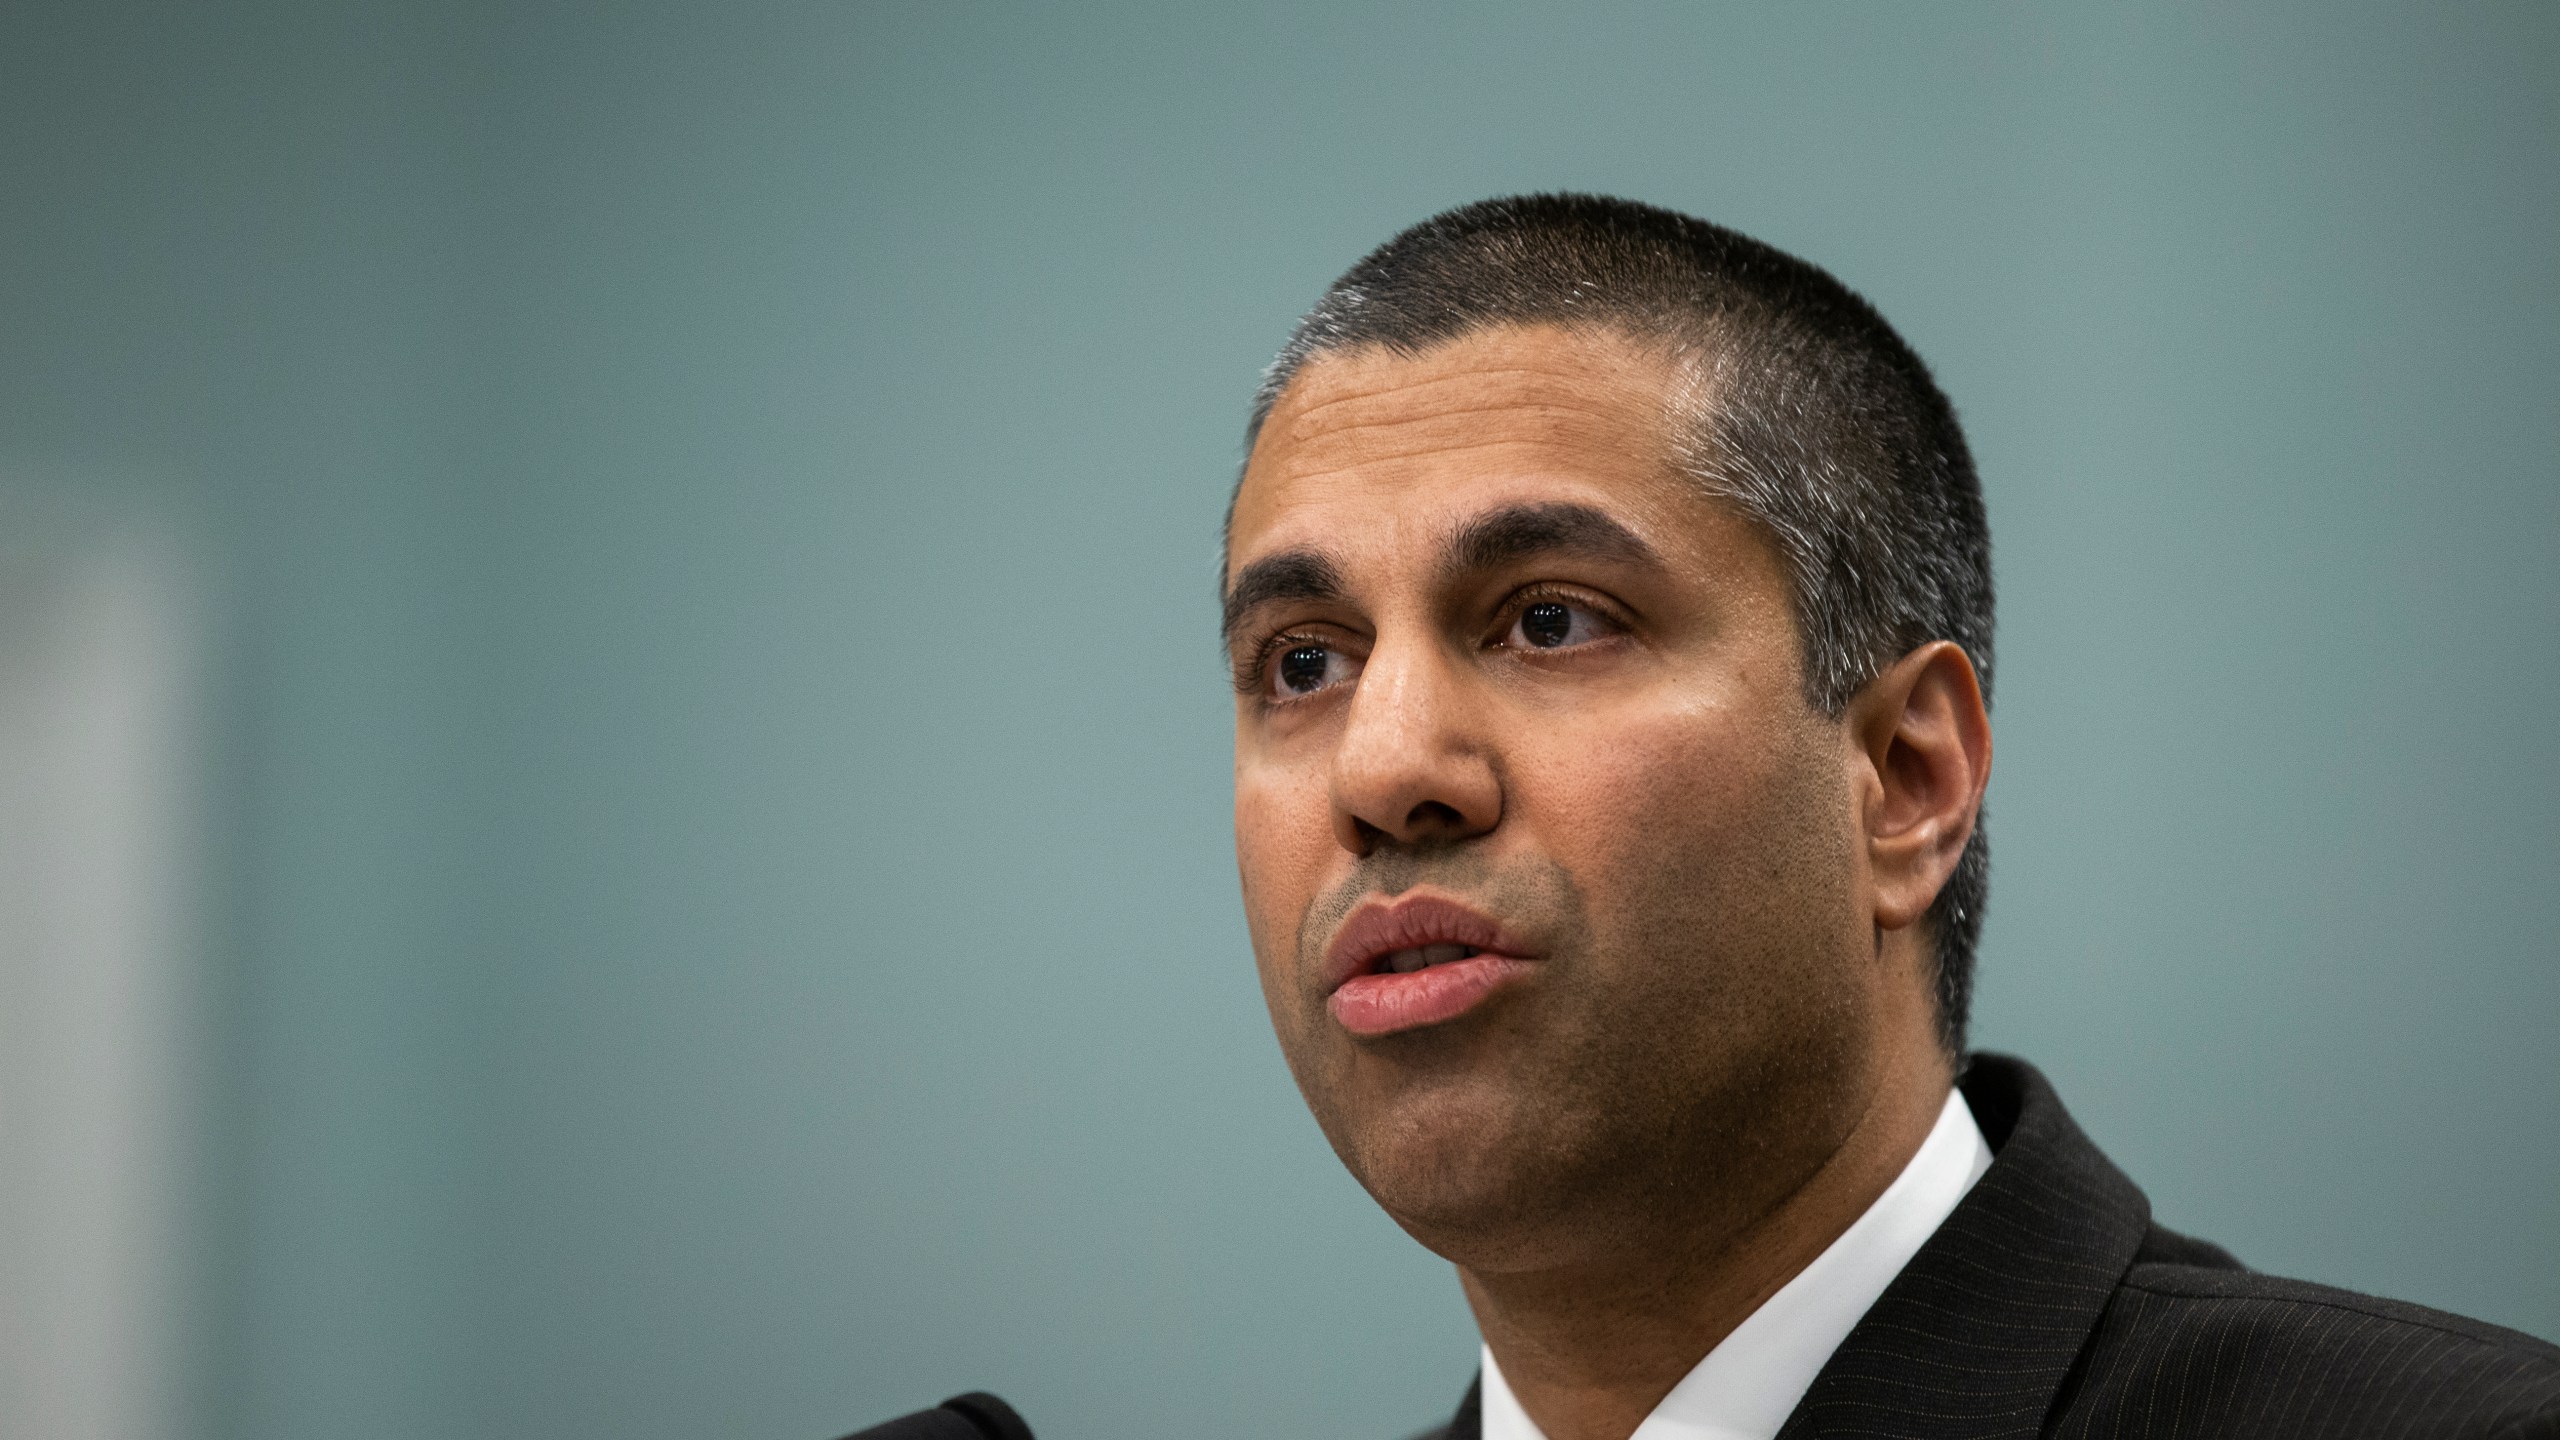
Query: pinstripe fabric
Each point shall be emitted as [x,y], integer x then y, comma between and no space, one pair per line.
[2192,1351]
[2050,1305]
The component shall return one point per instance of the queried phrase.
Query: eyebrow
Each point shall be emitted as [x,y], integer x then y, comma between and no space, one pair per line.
[1289,575]
[1519,532]
[1489,541]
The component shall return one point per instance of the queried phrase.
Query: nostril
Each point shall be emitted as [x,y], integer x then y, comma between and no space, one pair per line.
[1433,815]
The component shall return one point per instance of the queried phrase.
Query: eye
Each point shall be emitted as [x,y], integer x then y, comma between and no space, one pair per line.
[1302,667]
[1555,624]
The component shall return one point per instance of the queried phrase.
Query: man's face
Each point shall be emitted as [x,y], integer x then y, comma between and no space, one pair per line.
[1552,874]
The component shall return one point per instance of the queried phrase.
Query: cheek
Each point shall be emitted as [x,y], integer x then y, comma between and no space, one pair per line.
[1643,782]
[1695,831]
[1284,836]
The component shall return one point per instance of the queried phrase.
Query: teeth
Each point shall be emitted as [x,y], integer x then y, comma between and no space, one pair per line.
[1405,962]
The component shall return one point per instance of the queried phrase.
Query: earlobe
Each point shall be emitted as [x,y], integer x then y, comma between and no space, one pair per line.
[1924,733]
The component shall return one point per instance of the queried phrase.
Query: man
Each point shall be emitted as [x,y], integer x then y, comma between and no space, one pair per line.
[1609,603]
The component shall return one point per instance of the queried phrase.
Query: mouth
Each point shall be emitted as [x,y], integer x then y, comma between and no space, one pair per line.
[1416,961]
[1423,957]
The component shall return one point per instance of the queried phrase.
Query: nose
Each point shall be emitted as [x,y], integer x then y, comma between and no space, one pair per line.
[1413,765]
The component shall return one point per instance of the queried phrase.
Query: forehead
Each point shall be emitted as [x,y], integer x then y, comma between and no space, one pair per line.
[1367,440]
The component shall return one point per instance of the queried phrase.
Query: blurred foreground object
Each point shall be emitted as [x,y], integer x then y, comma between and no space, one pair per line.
[974,1416]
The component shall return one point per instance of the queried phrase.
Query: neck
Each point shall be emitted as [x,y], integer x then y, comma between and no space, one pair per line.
[1591,1347]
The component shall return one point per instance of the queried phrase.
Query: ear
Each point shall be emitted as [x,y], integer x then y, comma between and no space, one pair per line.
[1924,738]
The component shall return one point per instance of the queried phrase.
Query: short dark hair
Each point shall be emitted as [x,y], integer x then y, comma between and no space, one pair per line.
[1820,425]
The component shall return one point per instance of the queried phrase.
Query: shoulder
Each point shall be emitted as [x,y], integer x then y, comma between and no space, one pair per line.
[2193,1345]
[2245,1297]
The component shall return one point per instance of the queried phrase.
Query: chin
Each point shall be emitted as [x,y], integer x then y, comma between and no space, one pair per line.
[1475,1178]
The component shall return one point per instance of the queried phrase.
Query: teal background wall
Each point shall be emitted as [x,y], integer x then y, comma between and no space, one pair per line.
[722,904]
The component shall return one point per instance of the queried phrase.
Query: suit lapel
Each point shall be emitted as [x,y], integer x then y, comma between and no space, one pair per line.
[1977,1335]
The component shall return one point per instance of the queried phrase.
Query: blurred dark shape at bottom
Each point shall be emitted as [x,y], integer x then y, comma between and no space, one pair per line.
[974,1416]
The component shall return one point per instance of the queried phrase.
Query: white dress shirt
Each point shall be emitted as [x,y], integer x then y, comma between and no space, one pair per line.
[1751,1381]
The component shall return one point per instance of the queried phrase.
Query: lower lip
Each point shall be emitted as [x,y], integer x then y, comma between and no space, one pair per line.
[1385,1003]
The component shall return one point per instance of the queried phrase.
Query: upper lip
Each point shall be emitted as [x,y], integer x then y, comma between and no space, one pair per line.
[1381,927]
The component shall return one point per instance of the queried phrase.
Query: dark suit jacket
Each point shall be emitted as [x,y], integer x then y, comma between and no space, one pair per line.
[2049,1304]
